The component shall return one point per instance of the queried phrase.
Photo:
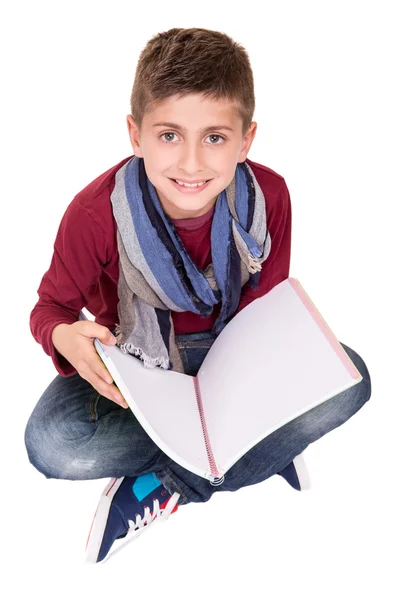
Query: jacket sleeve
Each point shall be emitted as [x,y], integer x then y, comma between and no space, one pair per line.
[275,268]
[76,265]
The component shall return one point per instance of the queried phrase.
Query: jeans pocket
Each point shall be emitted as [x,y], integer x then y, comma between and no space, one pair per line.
[93,401]
[99,406]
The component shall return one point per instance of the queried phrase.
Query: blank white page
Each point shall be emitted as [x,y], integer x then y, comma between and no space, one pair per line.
[164,403]
[272,362]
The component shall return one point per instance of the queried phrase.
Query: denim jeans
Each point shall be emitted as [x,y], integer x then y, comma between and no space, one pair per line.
[75,433]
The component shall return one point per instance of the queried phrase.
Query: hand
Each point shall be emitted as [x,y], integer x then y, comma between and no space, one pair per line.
[76,343]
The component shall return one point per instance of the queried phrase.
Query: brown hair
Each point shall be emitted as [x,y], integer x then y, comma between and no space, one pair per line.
[183,61]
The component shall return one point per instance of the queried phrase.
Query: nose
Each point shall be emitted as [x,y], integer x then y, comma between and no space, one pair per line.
[191,160]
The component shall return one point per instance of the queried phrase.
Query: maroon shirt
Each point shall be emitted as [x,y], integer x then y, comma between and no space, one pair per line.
[84,268]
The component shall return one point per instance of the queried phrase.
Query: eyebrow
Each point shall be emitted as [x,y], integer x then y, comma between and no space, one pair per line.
[179,128]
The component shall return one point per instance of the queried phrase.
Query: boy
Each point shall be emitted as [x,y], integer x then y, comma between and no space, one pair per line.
[164,249]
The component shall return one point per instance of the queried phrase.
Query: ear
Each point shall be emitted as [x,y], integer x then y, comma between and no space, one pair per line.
[134,136]
[247,141]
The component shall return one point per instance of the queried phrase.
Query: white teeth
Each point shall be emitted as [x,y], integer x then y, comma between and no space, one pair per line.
[190,184]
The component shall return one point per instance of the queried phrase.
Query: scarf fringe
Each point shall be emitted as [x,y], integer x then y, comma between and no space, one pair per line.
[118,333]
[253,264]
[149,363]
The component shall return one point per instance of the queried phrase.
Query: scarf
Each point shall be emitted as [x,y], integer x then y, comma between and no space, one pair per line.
[156,274]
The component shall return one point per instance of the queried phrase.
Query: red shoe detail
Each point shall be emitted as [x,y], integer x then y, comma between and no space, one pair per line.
[164,504]
[90,531]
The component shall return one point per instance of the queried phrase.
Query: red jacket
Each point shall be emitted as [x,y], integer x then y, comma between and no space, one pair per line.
[84,267]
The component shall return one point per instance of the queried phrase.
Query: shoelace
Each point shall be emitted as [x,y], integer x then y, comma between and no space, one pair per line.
[142,523]
[149,517]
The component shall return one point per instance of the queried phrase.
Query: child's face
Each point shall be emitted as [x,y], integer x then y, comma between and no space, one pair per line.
[189,152]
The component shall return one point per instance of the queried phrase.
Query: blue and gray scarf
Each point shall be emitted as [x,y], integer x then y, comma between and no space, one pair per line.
[158,276]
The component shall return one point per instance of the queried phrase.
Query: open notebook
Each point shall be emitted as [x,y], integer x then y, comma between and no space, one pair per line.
[275,360]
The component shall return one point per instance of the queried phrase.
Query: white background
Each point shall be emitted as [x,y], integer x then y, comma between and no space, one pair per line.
[326,77]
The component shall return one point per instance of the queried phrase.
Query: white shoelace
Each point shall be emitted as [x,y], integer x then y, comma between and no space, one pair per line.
[149,517]
[142,523]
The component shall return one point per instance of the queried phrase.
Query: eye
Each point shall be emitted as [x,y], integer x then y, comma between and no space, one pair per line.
[214,135]
[171,133]
[167,133]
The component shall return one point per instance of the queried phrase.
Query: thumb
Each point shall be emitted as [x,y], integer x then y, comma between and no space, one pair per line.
[111,339]
[106,336]
[92,329]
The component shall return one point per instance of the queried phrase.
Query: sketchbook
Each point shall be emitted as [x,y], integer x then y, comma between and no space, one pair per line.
[275,359]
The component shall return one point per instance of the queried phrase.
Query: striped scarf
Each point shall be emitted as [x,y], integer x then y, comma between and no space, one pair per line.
[156,274]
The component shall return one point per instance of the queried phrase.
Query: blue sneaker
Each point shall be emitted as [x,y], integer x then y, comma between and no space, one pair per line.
[124,512]
[296,474]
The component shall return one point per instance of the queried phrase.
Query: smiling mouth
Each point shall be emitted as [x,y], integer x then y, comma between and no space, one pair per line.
[190,183]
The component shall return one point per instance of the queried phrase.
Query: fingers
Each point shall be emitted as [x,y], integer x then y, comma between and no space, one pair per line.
[93,370]
[97,366]
[109,391]
[103,378]
[97,375]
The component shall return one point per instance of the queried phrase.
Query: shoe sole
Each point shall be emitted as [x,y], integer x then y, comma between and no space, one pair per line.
[99,522]
[302,472]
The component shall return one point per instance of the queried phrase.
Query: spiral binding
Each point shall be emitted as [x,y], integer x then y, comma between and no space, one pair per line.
[210,456]
[218,480]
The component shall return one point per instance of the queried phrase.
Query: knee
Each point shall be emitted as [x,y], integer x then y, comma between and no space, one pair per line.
[49,454]
[363,388]
[35,445]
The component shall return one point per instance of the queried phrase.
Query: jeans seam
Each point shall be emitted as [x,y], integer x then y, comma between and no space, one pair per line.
[94,398]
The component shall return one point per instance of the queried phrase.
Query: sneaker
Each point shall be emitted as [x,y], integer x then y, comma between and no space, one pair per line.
[296,474]
[124,512]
